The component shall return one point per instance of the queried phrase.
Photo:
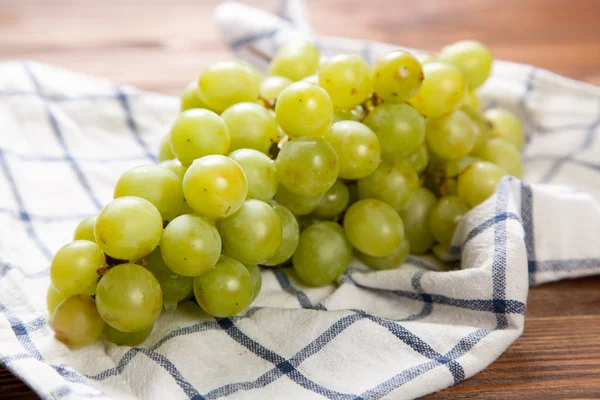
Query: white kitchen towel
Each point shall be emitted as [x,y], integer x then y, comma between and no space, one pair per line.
[66,138]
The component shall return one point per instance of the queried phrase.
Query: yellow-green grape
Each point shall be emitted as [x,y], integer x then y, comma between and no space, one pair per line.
[426,58]
[76,322]
[85,229]
[450,187]
[304,109]
[357,148]
[507,126]
[257,76]
[156,184]
[74,267]
[191,97]
[226,289]
[250,126]
[126,338]
[190,245]
[478,182]
[226,83]
[174,166]
[91,289]
[394,260]
[481,126]
[472,59]
[472,100]
[164,148]
[399,128]
[373,227]
[391,183]
[197,133]
[322,255]
[451,137]
[290,232]
[295,60]
[308,166]
[256,279]
[415,217]
[347,79]
[272,86]
[260,172]
[397,76]
[128,228]
[296,203]
[453,168]
[445,216]
[174,287]
[357,113]
[128,298]
[253,234]
[334,202]
[53,299]
[215,186]
[443,90]
[419,159]
[503,154]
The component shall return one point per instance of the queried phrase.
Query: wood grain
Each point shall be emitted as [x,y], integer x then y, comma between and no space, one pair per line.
[160,45]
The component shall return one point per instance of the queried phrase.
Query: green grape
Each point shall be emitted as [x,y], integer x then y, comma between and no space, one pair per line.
[443,90]
[76,322]
[85,229]
[250,126]
[419,159]
[482,128]
[91,289]
[304,109]
[394,260]
[503,154]
[174,287]
[334,202]
[357,148]
[507,126]
[415,217]
[226,289]
[295,60]
[478,182]
[226,83]
[156,184]
[191,97]
[308,166]
[296,203]
[450,187]
[128,228]
[357,113]
[174,166]
[197,133]
[472,100]
[426,58]
[190,245]
[391,183]
[399,128]
[272,86]
[128,297]
[397,76]
[215,186]
[164,149]
[347,79]
[257,76]
[290,233]
[451,137]
[260,172]
[252,234]
[74,267]
[373,227]
[256,279]
[126,338]
[455,167]
[471,58]
[322,255]
[53,299]
[445,216]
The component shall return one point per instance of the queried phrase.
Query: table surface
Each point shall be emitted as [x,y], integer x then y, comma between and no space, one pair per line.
[160,45]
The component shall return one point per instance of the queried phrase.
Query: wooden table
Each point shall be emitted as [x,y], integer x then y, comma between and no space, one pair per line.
[160,45]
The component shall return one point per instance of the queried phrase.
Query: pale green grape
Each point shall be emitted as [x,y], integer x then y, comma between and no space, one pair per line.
[445,216]
[503,154]
[472,100]
[296,203]
[304,109]
[191,97]
[347,79]
[334,202]
[290,233]
[357,148]
[250,126]
[256,279]
[128,297]
[164,149]
[76,322]
[322,255]
[451,137]
[419,159]
[74,267]
[128,228]
[443,90]
[226,83]
[174,287]
[126,338]
[455,167]
[295,60]
[415,217]
[507,126]
[471,58]
[357,113]
[478,182]
[260,172]
[391,261]
[399,128]
[174,166]
[397,76]
[482,128]
[53,299]
[226,289]
[190,245]
[85,229]
[373,227]
[215,186]
[272,86]
[391,183]
[197,133]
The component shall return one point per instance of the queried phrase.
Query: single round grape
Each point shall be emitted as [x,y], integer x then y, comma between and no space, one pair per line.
[481,126]
[394,260]
[443,90]
[215,186]
[357,113]
[250,126]
[53,299]
[308,166]
[128,297]
[226,83]
[391,183]
[322,255]
[296,203]
[174,166]
[415,217]
[357,148]
[74,267]
[445,216]
[272,86]
[507,126]
[472,100]
[260,172]
[226,289]
[503,154]
[290,233]
[126,338]
[347,79]
[197,133]
[256,279]
[128,228]
[399,128]
[76,322]
[295,60]
[190,245]
[451,137]
[478,182]
[471,58]
[397,76]
[85,229]
[419,159]
[191,97]
[304,109]
[373,227]
[164,148]
[334,202]
[174,287]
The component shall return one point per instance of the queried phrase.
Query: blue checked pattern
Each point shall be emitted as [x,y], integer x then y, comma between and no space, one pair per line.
[65,139]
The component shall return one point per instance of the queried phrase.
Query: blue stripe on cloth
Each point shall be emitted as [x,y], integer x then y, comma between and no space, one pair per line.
[426,298]
[124,101]
[527,216]
[499,258]
[5,267]
[285,284]
[456,250]
[566,265]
